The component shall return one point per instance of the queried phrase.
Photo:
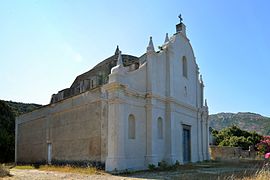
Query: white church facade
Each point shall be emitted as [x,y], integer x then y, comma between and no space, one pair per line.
[125,113]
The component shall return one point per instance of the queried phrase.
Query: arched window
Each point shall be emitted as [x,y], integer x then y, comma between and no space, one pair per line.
[184,66]
[131,127]
[160,128]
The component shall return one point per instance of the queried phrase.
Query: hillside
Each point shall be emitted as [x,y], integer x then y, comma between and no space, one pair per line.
[19,108]
[8,111]
[245,120]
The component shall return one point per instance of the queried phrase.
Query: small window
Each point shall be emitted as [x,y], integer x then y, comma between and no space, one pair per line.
[92,83]
[131,127]
[185,91]
[184,66]
[160,128]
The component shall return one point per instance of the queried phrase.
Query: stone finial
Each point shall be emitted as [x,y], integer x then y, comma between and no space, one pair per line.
[117,50]
[166,38]
[150,47]
[205,102]
[119,68]
[119,60]
[201,79]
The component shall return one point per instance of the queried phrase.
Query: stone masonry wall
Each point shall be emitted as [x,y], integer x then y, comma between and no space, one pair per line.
[227,153]
[32,141]
[75,127]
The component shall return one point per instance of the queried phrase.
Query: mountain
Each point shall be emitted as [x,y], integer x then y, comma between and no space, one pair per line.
[19,108]
[245,120]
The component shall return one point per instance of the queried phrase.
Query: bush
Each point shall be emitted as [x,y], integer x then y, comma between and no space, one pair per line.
[151,167]
[177,163]
[264,145]
[4,171]
[163,165]
[235,137]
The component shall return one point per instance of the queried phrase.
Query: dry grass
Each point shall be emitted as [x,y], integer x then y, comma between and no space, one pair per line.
[24,167]
[252,170]
[261,174]
[228,170]
[65,169]
[69,169]
[4,171]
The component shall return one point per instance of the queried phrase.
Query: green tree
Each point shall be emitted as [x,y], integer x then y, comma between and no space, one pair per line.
[235,137]
[7,133]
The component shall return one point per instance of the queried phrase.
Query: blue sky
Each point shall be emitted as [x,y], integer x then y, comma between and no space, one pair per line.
[44,45]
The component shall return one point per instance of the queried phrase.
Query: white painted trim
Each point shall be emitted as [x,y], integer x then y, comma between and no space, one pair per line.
[49,153]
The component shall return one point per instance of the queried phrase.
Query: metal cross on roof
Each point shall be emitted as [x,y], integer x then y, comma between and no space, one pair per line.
[180,17]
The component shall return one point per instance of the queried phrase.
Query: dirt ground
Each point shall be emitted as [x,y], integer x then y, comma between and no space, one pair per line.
[210,170]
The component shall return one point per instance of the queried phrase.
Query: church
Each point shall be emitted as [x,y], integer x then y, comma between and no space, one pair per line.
[125,113]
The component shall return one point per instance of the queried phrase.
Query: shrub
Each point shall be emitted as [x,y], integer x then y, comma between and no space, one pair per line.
[264,145]
[4,171]
[151,167]
[177,163]
[163,165]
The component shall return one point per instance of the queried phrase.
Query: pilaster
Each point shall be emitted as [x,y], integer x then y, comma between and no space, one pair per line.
[150,157]
[116,159]
[199,137]
[171,129]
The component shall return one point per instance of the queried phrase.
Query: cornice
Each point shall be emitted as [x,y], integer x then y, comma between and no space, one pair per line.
[146,95]
[113,86]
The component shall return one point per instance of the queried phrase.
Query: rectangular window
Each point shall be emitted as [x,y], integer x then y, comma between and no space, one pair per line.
[131,127]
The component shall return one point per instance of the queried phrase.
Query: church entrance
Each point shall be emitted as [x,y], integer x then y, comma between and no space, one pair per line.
[186,144]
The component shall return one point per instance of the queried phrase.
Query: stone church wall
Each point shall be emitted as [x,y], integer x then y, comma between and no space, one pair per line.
[32,141]
[76,128]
